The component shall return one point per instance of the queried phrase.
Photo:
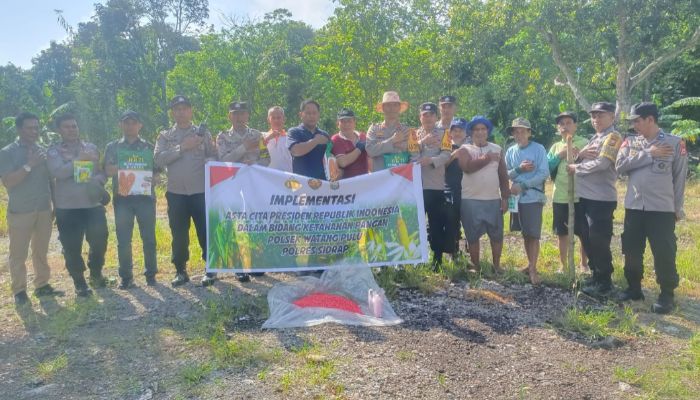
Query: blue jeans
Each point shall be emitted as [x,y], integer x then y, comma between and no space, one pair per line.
[143,209]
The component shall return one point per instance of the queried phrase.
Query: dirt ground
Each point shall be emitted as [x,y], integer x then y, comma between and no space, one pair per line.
[487,340]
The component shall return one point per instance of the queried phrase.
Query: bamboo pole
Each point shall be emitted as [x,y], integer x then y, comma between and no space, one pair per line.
[571,195]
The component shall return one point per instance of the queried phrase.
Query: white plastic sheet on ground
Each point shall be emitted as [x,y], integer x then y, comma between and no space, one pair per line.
[351,283]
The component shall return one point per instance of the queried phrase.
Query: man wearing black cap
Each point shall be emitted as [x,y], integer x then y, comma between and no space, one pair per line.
[349,145]
[129,162]
[448,109]
[556,157]
[183,150]
[435,148]
[79,198]
[241,143]
[656,164]
[595,187]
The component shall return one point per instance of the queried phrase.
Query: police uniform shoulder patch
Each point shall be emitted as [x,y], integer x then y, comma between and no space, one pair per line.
[684,150]
[611,146]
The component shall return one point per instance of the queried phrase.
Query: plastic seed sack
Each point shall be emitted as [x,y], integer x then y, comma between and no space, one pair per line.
[348,296]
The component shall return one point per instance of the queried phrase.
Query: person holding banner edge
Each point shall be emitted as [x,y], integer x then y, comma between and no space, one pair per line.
[183,150]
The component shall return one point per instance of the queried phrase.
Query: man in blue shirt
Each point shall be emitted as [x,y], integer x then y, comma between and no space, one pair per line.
[307,143]
[528,170]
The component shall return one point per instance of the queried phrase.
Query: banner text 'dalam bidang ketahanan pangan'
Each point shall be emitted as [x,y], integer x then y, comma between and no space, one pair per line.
[260,219]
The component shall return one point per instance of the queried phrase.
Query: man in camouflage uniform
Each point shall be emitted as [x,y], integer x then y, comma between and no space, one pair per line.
[183,150]
[656,164]
[595,187]
[242,144]
[387,142]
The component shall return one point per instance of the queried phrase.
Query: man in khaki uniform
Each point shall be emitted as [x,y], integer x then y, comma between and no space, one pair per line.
[183,150]
[387,142]
[595,187]
[657,165]
[26,177]
[242,144]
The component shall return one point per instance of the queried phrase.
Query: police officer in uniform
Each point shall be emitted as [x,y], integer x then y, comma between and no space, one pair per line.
[656,164]
[183,150]
[595,186]
[242,144]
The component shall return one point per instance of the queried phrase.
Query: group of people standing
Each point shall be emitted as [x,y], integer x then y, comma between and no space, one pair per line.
[468,181]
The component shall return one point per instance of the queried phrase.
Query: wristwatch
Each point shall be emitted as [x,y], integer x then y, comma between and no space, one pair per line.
[27,168]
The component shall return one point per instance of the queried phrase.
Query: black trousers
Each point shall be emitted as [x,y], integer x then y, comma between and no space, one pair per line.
[594,225]
[453,202]
[434,202]
[182,208]
[74,225]
[659,227]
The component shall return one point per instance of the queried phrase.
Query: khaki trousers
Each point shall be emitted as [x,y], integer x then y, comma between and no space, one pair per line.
[35,228]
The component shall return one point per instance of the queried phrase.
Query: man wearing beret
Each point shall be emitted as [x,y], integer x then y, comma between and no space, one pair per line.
[307,143]
[26,177]
[435,148]
[349,145]
[133,201]
[79,197]
[556,157]
[656,164]
[183,150]
[388,141]
[595,176]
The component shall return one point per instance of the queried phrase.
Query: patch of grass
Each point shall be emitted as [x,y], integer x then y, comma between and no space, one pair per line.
[678,378]
[599,324]
[405,355]
[241,351]
[442,379]
[61,324]
[310,368]
[193,374]
[47,369]
[3,218]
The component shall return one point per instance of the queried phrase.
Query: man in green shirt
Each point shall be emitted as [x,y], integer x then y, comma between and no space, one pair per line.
[566,126]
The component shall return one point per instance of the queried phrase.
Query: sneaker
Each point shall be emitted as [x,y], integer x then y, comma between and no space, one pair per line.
[208,279]
[21,298]
[180,279]
[664,304]
[83,292]
[47,290]
[98,281]
[631,294]
[243,278]
[151,280]
[126,284]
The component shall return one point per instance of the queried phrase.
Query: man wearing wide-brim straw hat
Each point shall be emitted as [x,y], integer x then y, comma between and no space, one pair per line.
[387,142]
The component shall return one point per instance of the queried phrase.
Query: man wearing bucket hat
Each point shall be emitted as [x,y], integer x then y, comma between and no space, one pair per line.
[183,150]
[595,187]
[434,153]
[566,127]
[485,191]
[527,169]
[387,142]
[349,145]
[130,204]
[656,164]
[79,198]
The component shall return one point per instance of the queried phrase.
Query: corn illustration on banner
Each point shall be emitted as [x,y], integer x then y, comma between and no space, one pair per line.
[260,219]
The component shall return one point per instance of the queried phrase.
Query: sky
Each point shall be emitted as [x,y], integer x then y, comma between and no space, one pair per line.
[30,25]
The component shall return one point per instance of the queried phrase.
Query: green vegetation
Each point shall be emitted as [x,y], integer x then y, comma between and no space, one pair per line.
[599,324]
[47,369]
[678,378]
